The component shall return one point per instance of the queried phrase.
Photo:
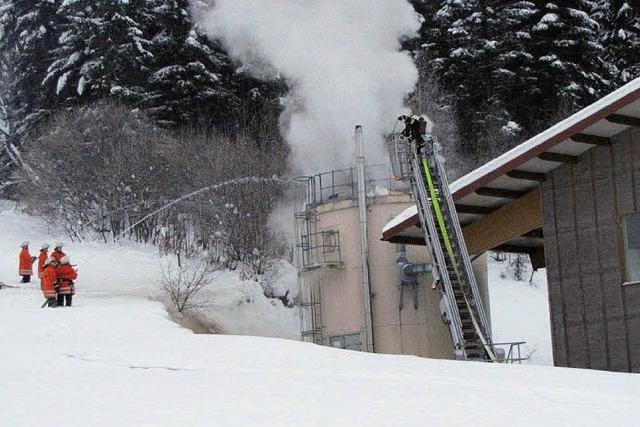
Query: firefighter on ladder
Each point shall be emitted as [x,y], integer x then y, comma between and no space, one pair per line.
[415,129]
[419,129]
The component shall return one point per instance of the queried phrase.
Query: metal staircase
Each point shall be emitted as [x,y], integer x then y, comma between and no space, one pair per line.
[461,306]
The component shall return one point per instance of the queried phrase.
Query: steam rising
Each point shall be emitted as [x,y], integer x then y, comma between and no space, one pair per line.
[342,62]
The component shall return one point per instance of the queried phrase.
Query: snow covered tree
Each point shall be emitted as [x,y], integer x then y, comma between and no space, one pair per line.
[515,65]
[188,81]
[29,32]
[148,54]
[564,43]
[9,153]
[510,64]
[620,36]
[460,44]
[103,51]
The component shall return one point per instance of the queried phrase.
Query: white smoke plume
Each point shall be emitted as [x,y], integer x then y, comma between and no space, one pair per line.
[342,62]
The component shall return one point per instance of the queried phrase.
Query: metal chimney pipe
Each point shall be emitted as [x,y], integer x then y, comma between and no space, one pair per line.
[364,243]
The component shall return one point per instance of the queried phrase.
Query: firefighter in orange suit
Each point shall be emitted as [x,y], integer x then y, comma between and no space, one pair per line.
[66,285]
[42,258]
[57,253]
[25,267]
[50,281]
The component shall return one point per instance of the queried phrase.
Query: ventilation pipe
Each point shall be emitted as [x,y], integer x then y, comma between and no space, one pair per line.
[364,244]
[408,274]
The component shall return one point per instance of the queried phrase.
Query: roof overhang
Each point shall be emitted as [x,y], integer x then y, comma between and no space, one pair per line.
[518,172]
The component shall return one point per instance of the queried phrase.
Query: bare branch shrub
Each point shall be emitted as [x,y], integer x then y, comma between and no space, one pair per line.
[231,223]
[518,265]
[98,169]
[182,284]
[106,170]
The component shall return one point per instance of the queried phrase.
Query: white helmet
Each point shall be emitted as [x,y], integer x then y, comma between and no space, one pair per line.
[58,245]
[44,247]
[50,260]
[65,260]
[24,244]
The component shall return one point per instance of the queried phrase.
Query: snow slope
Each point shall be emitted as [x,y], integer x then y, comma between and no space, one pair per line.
[129,269]
[116,359]
[124,268]
[122,362]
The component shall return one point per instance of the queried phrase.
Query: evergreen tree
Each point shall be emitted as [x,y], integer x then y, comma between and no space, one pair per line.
[514,70]
[29,32]
[102,51]
[568,68]
[189,77]
[146,53]
[620,36]
[510,64]
[460,45]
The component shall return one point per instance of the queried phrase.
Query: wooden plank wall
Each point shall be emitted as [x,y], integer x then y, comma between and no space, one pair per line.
[595,320]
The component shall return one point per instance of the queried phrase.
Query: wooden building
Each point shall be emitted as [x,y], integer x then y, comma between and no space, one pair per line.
[570,198]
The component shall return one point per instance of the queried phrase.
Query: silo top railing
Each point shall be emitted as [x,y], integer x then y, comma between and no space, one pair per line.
[342,184]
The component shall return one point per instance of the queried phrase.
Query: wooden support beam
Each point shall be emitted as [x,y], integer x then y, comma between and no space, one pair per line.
[537,258]
[621,119]
[559,158]
[476,210]
[499,192]
[407,240]
[510,221]
[535,234]
[591,139]
[529,176]
[514,249]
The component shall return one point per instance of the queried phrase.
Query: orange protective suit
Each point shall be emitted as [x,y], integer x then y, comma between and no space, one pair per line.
[48,284]
[26,263]
[41,259]
[57,255]
[66,276]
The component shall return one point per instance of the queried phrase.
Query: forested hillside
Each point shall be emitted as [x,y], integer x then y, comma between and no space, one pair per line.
[494,72]
[58,55]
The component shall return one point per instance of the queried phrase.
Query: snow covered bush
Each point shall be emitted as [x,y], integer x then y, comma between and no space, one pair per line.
[182,284]
[280,281]
[99,169]
[516,268]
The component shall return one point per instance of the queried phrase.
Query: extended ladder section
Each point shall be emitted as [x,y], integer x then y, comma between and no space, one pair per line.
[461,305]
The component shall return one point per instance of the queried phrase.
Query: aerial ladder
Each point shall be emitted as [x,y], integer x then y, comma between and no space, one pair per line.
[416,160]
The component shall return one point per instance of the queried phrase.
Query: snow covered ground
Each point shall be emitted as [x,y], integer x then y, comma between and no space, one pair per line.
[131,270]
[117,359]
[520,312]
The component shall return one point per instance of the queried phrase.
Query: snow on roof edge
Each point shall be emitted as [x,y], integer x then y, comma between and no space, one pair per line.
[541,138]
[526,146]
[400,218]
